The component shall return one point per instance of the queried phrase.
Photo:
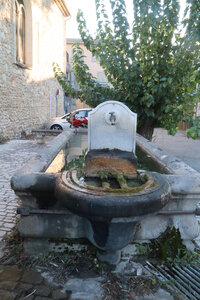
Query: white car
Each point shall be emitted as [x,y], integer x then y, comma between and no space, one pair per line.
[77,118]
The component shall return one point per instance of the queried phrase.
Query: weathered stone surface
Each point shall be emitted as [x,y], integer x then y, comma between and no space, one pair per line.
[8,285]
[10,273]
[59,294]
[160,294]
[32,276]
[112,257]
[42,298]
[42,290]
[24,286]
[6,295]
[28,294]
[185,185]
[117,121]
[129,250]
[28,94]
[152,227]
[185,197]
[128,267]
[85,289]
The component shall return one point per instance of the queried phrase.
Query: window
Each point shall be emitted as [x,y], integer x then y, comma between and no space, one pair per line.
[80,114]
[67,57]
[20,31]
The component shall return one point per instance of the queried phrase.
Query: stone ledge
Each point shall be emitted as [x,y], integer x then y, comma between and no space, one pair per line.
[22,66]
[42,162]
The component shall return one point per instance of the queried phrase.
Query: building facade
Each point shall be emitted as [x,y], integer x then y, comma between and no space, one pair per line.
[32,37]
[94,67]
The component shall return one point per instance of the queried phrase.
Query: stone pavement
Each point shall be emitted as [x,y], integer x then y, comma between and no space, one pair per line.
[17,284]
[179,146]
[44,283]
[13,155]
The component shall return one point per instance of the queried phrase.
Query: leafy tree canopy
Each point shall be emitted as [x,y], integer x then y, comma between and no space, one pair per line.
[152,68]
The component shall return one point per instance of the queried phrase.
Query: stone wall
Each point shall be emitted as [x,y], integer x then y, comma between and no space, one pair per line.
[28,92]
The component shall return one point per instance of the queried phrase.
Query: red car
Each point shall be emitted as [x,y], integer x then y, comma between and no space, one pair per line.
[79,118]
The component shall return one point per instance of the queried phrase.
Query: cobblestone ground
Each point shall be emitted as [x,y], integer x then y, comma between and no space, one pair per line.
[13,155]
[18,284]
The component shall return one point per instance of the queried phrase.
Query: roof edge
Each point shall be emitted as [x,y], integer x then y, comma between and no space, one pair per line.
[63,7]
[74,40]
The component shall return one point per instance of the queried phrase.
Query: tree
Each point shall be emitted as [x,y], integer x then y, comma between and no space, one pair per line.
[152,69]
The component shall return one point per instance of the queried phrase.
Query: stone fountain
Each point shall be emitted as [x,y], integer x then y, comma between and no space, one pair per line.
[111,194]
[106,202]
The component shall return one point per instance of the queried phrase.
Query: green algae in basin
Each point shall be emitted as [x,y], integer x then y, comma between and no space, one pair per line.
[140,184]
[96,182]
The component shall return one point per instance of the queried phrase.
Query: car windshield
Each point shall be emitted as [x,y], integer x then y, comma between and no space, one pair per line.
[77,114]
[80,114]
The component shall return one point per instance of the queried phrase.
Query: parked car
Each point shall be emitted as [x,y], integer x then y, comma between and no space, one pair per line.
[77,118]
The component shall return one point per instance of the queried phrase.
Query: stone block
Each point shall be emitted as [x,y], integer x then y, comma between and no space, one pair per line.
[42,290]
[52,226]
[119,123]
[8,285]
[32,277]
[6,295]
[59,294]
[10,273]
[85,289]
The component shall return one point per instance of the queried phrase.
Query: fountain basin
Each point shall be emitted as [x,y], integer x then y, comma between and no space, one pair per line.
[97,203]
[43,219]
[61,206]
[112,213]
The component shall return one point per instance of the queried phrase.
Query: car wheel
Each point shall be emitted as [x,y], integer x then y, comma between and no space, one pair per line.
[56,127]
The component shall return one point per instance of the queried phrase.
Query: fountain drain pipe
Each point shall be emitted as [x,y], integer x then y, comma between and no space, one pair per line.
[26,211]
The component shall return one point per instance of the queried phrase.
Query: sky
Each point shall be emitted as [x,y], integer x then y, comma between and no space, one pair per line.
[88,8]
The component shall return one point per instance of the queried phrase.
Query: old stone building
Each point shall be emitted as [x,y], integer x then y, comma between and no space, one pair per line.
[32,37]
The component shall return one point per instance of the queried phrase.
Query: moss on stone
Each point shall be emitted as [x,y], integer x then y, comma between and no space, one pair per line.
[105,184]
[169,248]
